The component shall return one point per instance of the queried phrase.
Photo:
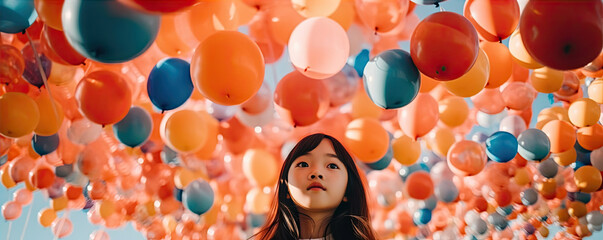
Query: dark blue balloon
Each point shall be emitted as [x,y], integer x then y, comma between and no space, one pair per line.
[582,155]
[361,60]
[534,144]
[198,197]
[135,128]
[43,145]
[108,31]
[170,84]
[16,15]
[583,197]
[384,161]
[576,165]
[421,216]
[501,146]
[391,79]
[178,194]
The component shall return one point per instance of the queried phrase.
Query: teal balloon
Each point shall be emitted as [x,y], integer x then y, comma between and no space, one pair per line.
[135,128]
[499,221]
[16,15]
[169,84]
[421,216]
[360,61]
[501,146]
[43,145]
[198,197]
[534,144]
[428,2]
[384,161]
[391,79]
[108,31]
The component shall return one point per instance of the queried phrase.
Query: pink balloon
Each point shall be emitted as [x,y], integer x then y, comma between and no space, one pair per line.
[489,100]
[23,196]
[319,47]
[62,227]
[518,95]
[420,116]
[99,235]
[11,210]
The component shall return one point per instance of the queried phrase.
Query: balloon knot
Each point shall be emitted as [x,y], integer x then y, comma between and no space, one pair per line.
[499,39]
[306,69]
[103,125]
[437,5]
[162,111]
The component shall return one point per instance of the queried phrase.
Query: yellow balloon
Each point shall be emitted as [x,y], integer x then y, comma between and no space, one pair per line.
[595,90]
[565,158]
[453,111]
[364,107]
[344,14]
[521,176]
[260,167]
[406,150]
[474,80]
[546,80]
[106,208]
[19,114]
[440,140]
[51,115]
[315,8]
[584,112]
[7,181]
[184,131]
[258,201]
[46,216]
[59,203]
[588,179]
[184,176]
[519,52]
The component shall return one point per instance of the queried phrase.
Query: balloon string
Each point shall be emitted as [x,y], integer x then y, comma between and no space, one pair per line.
[10,224]
[43,73]
[26,220]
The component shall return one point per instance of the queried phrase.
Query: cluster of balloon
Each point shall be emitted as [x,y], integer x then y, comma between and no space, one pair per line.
[159,115]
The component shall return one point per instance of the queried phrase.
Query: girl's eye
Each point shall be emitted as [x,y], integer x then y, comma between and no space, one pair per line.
[302,164]
[333,166]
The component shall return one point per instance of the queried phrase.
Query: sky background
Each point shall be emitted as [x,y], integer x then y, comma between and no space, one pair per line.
[29,228]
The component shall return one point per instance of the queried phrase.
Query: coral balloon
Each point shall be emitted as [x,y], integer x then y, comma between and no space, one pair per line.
[319,47]
[301,100]
[103,97]
[581,28]
[12,62]
[184,131]
[419,185]
[228,68]
[366,139]
[56,43]
[584,112]
[466,158]
[381,16]
[562,135]
[11,210]
[419,117]
[472,82]
[518,95]
[444,46]
[494,20]
[19,114]
[590,138]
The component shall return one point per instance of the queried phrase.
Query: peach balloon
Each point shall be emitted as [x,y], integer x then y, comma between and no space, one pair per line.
[584,112]
[319,47]
[590,138]
[366,139]
[11,210]
[427,83]
[547,80]
[46,216]
[315,8]
[453,111]
[440,140]
[381,16]
[419,117]
[595,90]
[518,95]
[587,179]
[62,227]
[260,167]
[489,100]
[344,14]
[406,150]
[466,158]
[501,63]
[519,52]
[565,158]
[363,106]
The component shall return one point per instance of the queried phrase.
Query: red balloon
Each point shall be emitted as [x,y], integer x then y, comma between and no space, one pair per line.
[444,46]
[159,6]
[563,35]
[103,97]
[419,185]
[41,177]
[301,100]
[494,20]
[56,43]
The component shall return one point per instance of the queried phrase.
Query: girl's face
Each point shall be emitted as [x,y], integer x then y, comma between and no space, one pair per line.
[318,180]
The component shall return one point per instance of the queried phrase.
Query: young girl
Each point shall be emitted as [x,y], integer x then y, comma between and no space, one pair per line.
[320,195]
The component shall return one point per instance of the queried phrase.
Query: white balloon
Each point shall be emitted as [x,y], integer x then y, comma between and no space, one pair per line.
[83,131]
[595,218]
[490,121]
[596,158]
[257,120]
[513,124]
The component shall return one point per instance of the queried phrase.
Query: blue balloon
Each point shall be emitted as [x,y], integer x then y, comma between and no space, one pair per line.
[583,197]
[501,146]
[582,155]
[430,203]
[529,197]
[178,194]
[16,15]
[446,191]
[577,164]
[391,79]
[361,60]
[534,144]
[43,145]
[108,31]
[421,216]
[383,162]
[63,171]
[428,2]
[198,197]
[170,84]
[498,221]
[405,171]
[135,128]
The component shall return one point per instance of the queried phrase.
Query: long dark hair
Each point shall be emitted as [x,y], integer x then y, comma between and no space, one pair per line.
[349,221]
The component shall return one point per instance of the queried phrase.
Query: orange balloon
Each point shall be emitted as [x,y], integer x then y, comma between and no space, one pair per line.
[427,83]
[42,177]
[520,54]
[561,134]
[46,216]
[419,117]
[576,209]
[237,136]
[595,90]
[96,190]
[51,115]
[419,185]
[546,80]
[440,140]
[472,82]
[283,19]
[587,179]
[584,112]
[19,115]
[50,12]
[344,14]
[260,167]
[590,138]
[7,181]
[206,151]
[520,73]
[466,158]
[301,100]
[228,68]
[406,150]
[103,97]
[208,17]
[168,40]
[501,62]
[381,16]
[453,111]
[367,139]
[566,158]
[493,20]
[184,131]
[363,106]
[315,8]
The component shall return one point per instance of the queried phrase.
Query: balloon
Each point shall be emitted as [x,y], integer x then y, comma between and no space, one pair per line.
[418,185]
[16,15]
[19,115]
[466,158]
[301,100]
[49,11]
[446,191]
[96,39]
[453,111]
[309,54]
[548,168]
[576,209]
[583,33]
[198,197]
[315,8]
[547,80]
[103,97]
[501,62]
[82,131]
[498,221]
[184,131]
[62,227]
[561,135]
[444,46]
[534,144]
[501,146]
[489,100]
[383,162]
[493,20]
[221,112]
[11,210]
[344,14]
[490,121]
[99,235]
[135,128]
[419,117]
[588,179]
[478,226]
[258,201]
[596,158]
[219,77]
[363,106]
[170,84]
[474,80]
[342,86]
[158,6]
[421,216]
[440,140]
[12,62]
[260,167]
[520,54]
[594,217]
[391,79]
[428,2]
[51,115]
[381,16]
[257,120]
[513,124]
[45,144]
[406,150]
[584,112]
[55,42]
[42,177]
[529,197]
[366,139]
[46,216]
[518,95]
[32,73]
[595,90]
